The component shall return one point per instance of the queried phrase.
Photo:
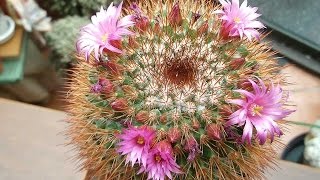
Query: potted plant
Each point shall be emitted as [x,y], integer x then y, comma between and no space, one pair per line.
[175,90]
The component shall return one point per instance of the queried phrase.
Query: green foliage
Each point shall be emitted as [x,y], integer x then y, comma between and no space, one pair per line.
[63,36]
[64,8]
[77,7]
[88,7]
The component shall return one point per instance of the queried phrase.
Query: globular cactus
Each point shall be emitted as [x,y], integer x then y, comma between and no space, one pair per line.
[178,90]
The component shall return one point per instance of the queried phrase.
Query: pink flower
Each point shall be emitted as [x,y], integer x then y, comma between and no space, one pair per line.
[135,143]
[239,21]
[104,29]
[192,147]
[260,109]
[160,162]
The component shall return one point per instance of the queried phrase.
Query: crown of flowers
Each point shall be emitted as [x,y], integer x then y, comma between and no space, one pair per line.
[171,92]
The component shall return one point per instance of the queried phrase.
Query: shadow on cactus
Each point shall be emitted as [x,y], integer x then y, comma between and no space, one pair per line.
[172,90]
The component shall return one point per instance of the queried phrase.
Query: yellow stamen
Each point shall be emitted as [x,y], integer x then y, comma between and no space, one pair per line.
[158,158]
[256,109]
[104,37]
[140,140]
[237,20]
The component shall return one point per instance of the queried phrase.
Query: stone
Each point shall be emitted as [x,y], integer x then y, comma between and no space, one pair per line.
[312,146]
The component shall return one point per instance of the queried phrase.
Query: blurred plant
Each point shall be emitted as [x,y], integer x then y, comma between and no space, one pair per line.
[63,36]
[89,7]
[76,7]
[190,94]
[64,8]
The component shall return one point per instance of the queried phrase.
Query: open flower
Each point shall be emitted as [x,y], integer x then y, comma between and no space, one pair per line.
[260,108]
[239,20]
[160,162]
[135,143]
[103,32]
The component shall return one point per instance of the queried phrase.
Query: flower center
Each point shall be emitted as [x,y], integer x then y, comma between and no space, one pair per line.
[256,109]
[104,38]
[158,158]
[237,20]
[140,140]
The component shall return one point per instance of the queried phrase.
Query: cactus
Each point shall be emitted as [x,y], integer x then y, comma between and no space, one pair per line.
[166,99]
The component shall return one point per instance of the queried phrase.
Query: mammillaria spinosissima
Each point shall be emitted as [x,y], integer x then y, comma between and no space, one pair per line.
[181,101]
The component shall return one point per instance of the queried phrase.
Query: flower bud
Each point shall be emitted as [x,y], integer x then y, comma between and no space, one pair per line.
[163,118]
[203,28]
[135,8]
[225,110]
[195,124]
[102,81]
[96,88]
[157,28]
[224,31]
[112,67]
[132,42]
[235,64]
[125,123]
[190,144]
[107,86]
[119,104]
[192,147]
[175,18]
[164,146]
[142,23]
[142,116]
[214,132]
[174,135]
[245,84]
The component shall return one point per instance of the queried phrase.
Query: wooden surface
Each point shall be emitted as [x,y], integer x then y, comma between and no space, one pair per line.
[292,171]
[13,46]
[31,147]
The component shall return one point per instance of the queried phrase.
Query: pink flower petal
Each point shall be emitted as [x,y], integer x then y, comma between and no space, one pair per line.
[239,21]
[105,27]
[259,109]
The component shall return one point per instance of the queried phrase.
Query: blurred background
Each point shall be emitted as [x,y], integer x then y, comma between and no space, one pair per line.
[37,43]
